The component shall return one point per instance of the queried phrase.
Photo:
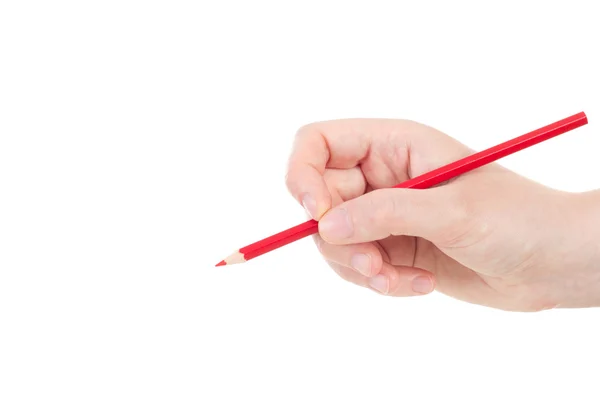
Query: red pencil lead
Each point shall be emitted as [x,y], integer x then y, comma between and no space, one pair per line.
[221,263]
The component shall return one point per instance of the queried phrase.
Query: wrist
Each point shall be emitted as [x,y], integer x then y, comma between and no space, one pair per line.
[577,280]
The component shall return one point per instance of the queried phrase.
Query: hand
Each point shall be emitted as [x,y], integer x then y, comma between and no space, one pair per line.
[489,237]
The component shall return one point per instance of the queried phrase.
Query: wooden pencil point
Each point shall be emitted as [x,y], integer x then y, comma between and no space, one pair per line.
[235,258]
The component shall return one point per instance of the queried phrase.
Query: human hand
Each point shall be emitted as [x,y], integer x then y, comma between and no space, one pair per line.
[489,237]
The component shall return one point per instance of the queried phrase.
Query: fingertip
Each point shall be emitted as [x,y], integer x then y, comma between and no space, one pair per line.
[310,190]
[380,283]
[423,284]
[403,281]
[323,204]
[386,281]
[310,205]
[336,226]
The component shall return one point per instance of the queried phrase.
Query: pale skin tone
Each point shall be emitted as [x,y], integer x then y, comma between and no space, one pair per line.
[489,237]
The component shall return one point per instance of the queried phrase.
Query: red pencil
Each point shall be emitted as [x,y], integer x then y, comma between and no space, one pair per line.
[426,180]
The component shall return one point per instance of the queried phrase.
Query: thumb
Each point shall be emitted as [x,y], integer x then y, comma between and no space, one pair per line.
[433,214]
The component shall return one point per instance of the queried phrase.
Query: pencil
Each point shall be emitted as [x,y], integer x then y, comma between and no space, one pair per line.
[426,180]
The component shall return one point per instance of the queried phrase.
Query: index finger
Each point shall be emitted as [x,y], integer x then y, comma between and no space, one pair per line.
[317,146]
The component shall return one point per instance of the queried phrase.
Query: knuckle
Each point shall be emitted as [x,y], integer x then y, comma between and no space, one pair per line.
[376,263]
[374,212]
[396,286]
[366,215]
[392,210]
[289,180]
[305,130]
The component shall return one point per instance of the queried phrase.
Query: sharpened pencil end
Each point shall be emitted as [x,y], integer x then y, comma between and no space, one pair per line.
[235,258]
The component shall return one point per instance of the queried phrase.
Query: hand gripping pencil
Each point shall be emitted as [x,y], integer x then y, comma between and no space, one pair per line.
[426,180]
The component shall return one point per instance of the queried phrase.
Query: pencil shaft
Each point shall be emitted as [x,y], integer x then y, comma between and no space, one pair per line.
[494,153]
[281,239]
[430,179]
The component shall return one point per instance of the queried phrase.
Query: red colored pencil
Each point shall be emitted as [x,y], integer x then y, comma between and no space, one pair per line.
[426,180]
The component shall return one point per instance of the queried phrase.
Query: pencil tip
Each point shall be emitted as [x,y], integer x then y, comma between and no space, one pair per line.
[235,258]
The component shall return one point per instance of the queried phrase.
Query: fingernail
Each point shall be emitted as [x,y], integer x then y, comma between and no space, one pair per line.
[379,283]
[361,263]
[422,284]
[336,225]
[310,205]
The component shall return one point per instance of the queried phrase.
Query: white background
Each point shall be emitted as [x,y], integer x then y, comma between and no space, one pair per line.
[143,141]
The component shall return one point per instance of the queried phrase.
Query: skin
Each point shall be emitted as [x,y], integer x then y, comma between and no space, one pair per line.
[489,237]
